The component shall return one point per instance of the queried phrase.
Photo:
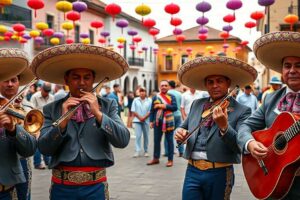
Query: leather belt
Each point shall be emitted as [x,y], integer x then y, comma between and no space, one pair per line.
[67,177]
[4,188]
[205,165]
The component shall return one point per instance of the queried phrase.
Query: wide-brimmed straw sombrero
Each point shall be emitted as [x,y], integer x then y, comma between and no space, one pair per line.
[194,72]
[12,62]
[271,48]
[52,64]
[26,76]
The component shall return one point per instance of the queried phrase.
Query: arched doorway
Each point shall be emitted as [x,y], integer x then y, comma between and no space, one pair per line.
[134,84]
[126,85]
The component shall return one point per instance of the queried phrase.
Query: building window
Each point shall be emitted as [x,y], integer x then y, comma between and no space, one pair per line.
[77,32]
[92,38]
[150,54]
[50,20]
[184,59]
[169,62]
[14,13]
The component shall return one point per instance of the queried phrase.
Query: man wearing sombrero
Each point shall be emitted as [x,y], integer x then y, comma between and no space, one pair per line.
[80,146]
[279,51]
[212,149]
[15,141]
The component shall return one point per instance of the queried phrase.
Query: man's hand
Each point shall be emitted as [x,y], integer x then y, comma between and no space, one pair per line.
[180,134]
[151,124]
[220,117]
[257,149]
[7,122]
[159,106]
[92,100]
[66,106]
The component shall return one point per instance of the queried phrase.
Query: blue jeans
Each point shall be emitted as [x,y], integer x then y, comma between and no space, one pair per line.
[7,195]
[69,192]
[211,184]
[37,158]
[177,120]
[157,139]
[23,189]
[141,129]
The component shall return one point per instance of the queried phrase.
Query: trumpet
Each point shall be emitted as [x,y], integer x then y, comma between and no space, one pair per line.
[33,120]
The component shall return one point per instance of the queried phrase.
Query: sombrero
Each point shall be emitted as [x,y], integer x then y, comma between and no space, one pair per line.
[26,76]
[271,48]
[194,72]
[51,64]
[12,62]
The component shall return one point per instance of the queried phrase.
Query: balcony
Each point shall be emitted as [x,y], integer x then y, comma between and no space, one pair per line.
[139,62]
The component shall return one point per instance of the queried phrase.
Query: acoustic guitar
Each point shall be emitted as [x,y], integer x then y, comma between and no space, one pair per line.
[272,177]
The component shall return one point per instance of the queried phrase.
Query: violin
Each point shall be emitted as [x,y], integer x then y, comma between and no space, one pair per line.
[207,114]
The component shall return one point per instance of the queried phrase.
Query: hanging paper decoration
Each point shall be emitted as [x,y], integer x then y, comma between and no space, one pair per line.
[48,32]
[202,20]
[225,47]
[18,27]
[266,2]
[120,46]
[3,29]
[172,9]
[73,16]
[102,40]
[8,34]
[67,26]
[169,50]
[136,39]
[250,25]
[121,40]
[39,40]
[132,47]
[189,50]
[69,41]
[180,38]
[97,25]
[244,43]
[36,5]
[155,51]
[58,35]
[41,26]
[227,28]
[79,6]
[203,6]
[291,19]
[203,30]
[84,35]
[234,5]
[210,49]
[4,3]
[257,15]
[122,23]
[26,36]
[55,41]
[149,23]
[22,40]
[143,10]
[229,18]
[64,6]
[224,35]
[153,32]
[175,21]
[177,31]
[34,33]
[202,37]
[113,9]
[105,34]
[132,32]
[86,41]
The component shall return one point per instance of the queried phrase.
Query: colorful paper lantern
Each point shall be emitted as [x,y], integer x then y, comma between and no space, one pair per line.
[22,40]
[34,33]
[172,8]
[67,26]
[136,39]
[41,26]
[48,32]
[291,19]
[58,35]
[180,38]
[169,50]
[203,6]
[105,34]
[79,6]
[36,5]
[102,40]
[202,37]
[224,35]
[175,21]
[229,18]
[250,25]
[39,40]
[55,41]
[69,41]
[121,40]
[73,16]
[122,23]
[234,5]
[113,9]
[149,23]
[266,2]
[86,41]
[18,27]
[97,25]
[153,32]
[227,28]
[203,30]
[3,29]
[177,31]
[64,6]
[202,20]
[84,35]
[143,10]
[4,3]
[257,15]
[132,32]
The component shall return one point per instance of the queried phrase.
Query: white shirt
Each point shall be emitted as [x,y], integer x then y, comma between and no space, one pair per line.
[38,101]
[188,98]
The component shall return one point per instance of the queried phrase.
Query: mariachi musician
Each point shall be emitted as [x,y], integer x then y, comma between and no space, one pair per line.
[212,149]
[279,51]
[80,144]
[15,141]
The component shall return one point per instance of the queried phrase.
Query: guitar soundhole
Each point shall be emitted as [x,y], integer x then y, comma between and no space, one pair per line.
[280,143]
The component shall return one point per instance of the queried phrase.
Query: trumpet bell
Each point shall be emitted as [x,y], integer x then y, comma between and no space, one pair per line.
[33,121]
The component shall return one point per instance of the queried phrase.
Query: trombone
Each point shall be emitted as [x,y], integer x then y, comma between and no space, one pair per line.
[33,120]
[72,111]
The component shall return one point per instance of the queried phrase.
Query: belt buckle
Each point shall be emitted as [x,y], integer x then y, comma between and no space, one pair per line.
[203,165]
[79,177]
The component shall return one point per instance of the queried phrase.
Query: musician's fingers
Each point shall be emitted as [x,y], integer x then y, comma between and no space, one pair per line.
[262,147]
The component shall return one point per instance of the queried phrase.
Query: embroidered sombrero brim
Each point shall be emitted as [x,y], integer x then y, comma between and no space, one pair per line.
[270,49]
[52,64]
[12,62]
[26,76]
[194,72]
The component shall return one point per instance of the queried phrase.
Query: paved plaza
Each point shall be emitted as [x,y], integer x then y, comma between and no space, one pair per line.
[131,179]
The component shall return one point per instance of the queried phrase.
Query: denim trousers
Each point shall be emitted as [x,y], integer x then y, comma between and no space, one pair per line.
[141,129]
[37,158]
[23,189]
[177,120]
[87,192]
[157,139]
[211,184]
